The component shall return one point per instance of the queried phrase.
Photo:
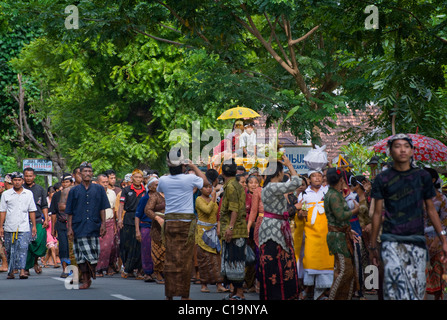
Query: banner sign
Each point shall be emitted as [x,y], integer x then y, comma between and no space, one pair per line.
[296,156]
[39,165]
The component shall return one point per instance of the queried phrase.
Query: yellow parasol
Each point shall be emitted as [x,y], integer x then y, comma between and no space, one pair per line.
[238,113]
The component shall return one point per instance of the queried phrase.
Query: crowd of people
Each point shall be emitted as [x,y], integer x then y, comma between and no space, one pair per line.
[283,235]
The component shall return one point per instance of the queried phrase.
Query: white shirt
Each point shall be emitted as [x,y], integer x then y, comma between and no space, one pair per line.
[111,195]
[17,207]
[312,196]
[248,141]
[178,191]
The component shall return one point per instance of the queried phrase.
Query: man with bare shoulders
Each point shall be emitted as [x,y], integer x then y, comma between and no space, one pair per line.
[65,191]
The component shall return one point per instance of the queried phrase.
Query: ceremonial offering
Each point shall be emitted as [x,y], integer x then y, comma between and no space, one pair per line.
[316,159]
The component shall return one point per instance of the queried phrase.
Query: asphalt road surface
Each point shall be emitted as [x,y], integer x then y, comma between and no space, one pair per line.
[49,286]
[114,296]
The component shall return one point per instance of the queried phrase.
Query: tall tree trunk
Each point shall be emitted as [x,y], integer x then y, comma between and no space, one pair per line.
[393,124]
[49,149]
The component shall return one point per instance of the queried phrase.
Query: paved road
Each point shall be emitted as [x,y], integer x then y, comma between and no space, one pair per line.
[49,286]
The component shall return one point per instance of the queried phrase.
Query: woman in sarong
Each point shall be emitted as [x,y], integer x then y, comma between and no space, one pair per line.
[278,271]
[208,253]
[436,268]
[154,209]
[51,240]
[233,232]
[339,238]
[143,226]
[255,211]
[299,221]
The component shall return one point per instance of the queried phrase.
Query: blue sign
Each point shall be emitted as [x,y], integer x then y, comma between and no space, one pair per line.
[39,165]
[296,156]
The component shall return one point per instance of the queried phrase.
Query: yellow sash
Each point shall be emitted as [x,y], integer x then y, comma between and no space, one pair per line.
[298,235]
[315,208]
[316,251]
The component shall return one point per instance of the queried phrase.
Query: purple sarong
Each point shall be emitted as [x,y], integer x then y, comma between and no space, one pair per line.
[146,248]
[107,254]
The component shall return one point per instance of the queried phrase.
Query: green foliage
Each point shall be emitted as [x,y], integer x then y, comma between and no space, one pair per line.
[358,156]
[125,104]
[136,70]
[12,39]
[401,68]
[8,162]
[242,70]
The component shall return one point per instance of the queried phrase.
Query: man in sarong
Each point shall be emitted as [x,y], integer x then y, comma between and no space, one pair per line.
[86,204]
[179,226]
[130,247]
[107,256]
[404,189]
[38,246]
[17,209]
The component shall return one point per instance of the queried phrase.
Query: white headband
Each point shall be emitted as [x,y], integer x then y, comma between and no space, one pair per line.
[151,180]
[309,173]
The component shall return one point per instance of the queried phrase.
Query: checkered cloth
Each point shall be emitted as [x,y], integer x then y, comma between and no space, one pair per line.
[86,249]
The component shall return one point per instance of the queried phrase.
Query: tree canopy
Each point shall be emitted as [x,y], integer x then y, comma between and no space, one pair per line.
[112,90]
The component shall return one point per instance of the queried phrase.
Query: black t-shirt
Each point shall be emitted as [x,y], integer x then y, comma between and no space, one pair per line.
[40,199]
[404,193]
[130,197]
[54,206]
